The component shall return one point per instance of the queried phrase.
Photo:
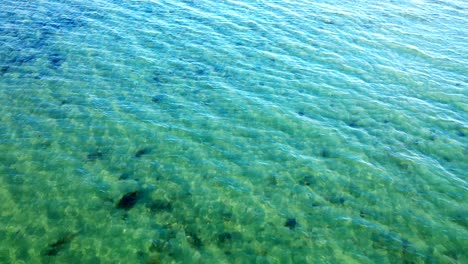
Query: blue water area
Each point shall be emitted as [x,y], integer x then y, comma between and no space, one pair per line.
[234,131]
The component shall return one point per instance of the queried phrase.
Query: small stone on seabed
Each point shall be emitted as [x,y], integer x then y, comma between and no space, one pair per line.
[95,156]
[142,152]
[128,200]
[158,98]
[291,223]
[307,181]
[325,153]
[225,237]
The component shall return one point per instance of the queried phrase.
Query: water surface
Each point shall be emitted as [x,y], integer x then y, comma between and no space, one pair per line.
[233,131]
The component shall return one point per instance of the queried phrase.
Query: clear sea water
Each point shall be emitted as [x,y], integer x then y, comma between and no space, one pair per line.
[236,131]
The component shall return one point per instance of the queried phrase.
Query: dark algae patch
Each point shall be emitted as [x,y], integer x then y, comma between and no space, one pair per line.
[4,69]
[124,176]
[55,248]
[225,237]
[158,98]
[97,155]
[307,181]
[142,152]
[128,200]
[291,223]
[56,60]
[325,153]
[194,240]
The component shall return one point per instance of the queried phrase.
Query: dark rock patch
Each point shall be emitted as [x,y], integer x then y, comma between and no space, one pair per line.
[128,201]
[124,176]
[4,69]
[158,98]
[337,200]
[54,248]
[56,60]
[22,59]
[69,23]
[352,124]
[97,155]
[157,245]
[325,153]
[225,237]
[142,152]
[291,223]
[200,72]
[194,240]
[273,180]
[307,181]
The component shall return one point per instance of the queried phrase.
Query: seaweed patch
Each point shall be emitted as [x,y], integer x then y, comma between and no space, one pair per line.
[291,223]
[56,60]
[142,152]
[4,69]
[158,98]
[194,240]
[307,181]
[128,201]
[225,237]
[97,155]
[55,248]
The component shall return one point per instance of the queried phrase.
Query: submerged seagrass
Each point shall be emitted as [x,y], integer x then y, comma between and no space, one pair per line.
[233,131]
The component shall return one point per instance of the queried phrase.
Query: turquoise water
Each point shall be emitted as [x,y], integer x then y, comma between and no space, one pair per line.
[233,131]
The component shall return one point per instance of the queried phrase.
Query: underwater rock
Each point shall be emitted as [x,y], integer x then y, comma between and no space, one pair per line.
[69,23]
[225,237]
[337,200]
[158,98]
[142,152]
[194,240]
[56,60]
[98,155]
[157,79]
[158,245]
[54,248]
[200,72]
[128,200]
[272,180]
[352,124]
[4,69]
[325,153]
[307,181]
[23,59]
[124,176]
[291,223]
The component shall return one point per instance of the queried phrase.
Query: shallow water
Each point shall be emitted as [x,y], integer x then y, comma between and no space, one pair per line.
[233,131]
